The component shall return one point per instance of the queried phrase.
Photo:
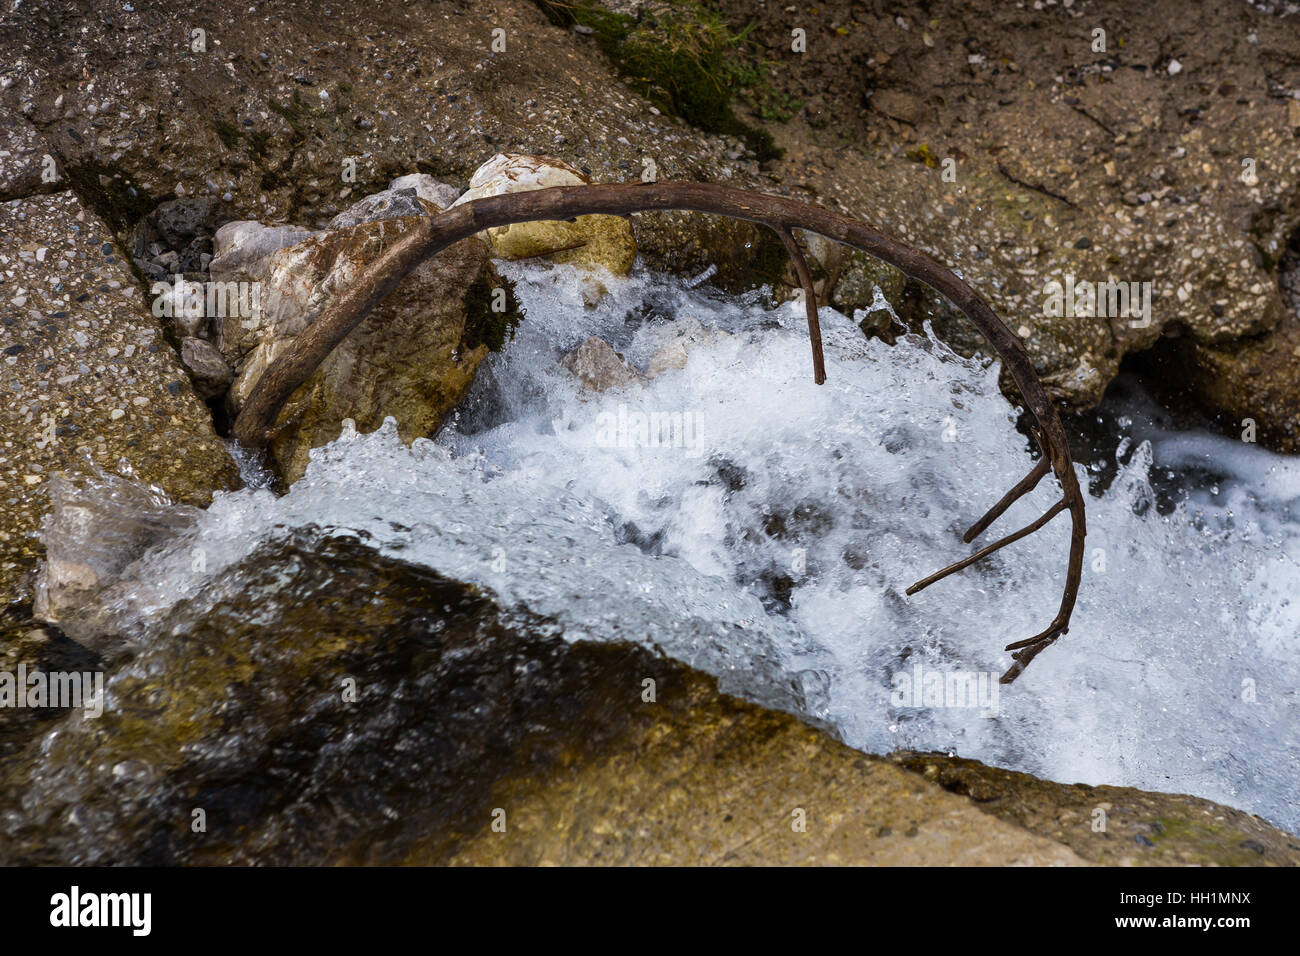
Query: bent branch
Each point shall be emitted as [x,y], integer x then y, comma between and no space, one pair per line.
[253,427]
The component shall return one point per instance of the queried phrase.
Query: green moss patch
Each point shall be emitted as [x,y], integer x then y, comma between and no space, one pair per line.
[483,325]
[686,60]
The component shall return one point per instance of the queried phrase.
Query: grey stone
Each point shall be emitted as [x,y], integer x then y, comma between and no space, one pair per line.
[180,220]
[598,367]
[389,204]
[211,372]
[239,247]
[427,188]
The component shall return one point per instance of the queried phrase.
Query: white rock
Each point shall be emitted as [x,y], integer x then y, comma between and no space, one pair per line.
[515,172]
[239,248]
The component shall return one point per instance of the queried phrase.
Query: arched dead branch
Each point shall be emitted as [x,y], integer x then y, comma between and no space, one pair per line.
[253,427]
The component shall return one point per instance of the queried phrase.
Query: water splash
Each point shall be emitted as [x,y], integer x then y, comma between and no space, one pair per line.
[774,547]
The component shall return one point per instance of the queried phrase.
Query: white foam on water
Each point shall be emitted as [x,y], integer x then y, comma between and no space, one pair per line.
[773,545]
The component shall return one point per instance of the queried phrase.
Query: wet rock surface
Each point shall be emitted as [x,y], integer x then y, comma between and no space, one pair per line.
[94,532]
[89,380]
[1113,826]
[413,358]
[598,366]
[415,716]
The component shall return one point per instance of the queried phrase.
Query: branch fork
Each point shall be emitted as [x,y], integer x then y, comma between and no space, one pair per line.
[256,421]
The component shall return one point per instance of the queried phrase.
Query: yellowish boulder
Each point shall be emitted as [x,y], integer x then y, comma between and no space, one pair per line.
[595,242]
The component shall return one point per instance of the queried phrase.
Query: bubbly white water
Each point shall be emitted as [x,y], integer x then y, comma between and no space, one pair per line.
[773,545]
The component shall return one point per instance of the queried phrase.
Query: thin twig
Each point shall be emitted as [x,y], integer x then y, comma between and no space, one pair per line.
[810,304]
[1022,488]
[984,552]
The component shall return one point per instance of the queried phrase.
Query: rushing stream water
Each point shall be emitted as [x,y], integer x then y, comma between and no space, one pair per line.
[771,541]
